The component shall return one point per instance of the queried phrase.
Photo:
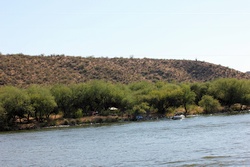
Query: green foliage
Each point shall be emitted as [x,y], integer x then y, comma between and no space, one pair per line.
[78,100]
[42,101]
[140,91]
[14,102]
[141,88]
[63,97]
[142,108]
[246,95]
[246,99]
[230,91]
[165,96]
[200,89]
[78,114]
[98,96]
[3,118]
[79,97]
[187,97]
[209,104]
[171,96]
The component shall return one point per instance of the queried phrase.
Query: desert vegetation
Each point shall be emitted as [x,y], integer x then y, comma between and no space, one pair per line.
[102,101]
[22,70]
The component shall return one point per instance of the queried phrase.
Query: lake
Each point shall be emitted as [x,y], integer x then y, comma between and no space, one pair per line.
[199,141]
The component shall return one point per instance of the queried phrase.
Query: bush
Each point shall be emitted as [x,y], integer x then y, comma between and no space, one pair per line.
[98,120]
[73,122]
[111,119]
[78,122]
[105,113]
[209,104]
[236,107]
[78,113]
[66,122]
[194,109]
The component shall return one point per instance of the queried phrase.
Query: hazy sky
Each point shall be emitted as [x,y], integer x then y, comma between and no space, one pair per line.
[216,31]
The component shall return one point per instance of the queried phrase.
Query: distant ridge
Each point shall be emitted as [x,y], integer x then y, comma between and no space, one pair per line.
[22,70]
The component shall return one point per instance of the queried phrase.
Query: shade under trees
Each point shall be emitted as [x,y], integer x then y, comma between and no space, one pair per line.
[98,96]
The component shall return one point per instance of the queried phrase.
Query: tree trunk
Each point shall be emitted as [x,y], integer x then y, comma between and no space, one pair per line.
[36,116]
[185,107]
[28,118]
[40,116]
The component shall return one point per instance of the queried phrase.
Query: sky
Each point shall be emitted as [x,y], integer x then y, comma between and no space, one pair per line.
[215,31]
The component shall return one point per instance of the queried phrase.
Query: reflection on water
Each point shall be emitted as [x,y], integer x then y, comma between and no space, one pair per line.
[198,141]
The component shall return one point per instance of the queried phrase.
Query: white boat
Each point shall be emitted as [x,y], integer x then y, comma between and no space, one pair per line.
[177,117]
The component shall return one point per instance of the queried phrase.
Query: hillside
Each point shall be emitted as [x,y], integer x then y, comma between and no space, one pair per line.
[23,70]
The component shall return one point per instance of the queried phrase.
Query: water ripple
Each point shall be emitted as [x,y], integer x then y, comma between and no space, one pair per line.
[200,141]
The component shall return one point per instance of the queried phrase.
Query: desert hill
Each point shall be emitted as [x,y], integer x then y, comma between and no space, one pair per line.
[19,69]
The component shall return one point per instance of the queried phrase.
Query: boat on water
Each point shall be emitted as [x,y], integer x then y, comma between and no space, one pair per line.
[178,117]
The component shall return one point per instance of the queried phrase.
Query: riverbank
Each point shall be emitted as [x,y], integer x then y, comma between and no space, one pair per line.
[57,121]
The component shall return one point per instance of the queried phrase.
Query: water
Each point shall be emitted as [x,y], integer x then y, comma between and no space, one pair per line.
[198,141]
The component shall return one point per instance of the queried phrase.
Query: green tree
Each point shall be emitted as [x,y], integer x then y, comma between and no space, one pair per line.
[187,97]
[14,102]
[42,101]
[246,99]
[229,91]
[141,88]
[3,118]
[209,104]
[140,91]
[64,98]
[200,89]
[142,108]
[79,97]
[157,99]
[165,96]
[98,96]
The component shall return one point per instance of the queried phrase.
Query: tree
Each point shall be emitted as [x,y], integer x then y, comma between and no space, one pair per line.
[14,102]
[42,101]
[187,97]
[64,98]
[79,97]
[157,99]
[106,95]
[165,96]
[3,118]
[229,91]
[246,99]
[246,95]
[139,109]
[141,90]
[200,89]
[98,96]
[209,104]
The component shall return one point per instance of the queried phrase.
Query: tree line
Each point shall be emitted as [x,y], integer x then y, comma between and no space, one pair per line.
[139,98]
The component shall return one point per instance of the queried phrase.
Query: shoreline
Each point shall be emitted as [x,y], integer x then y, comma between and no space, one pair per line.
[71,123]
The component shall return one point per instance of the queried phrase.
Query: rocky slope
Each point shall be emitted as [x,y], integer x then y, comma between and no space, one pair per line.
[21,70]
